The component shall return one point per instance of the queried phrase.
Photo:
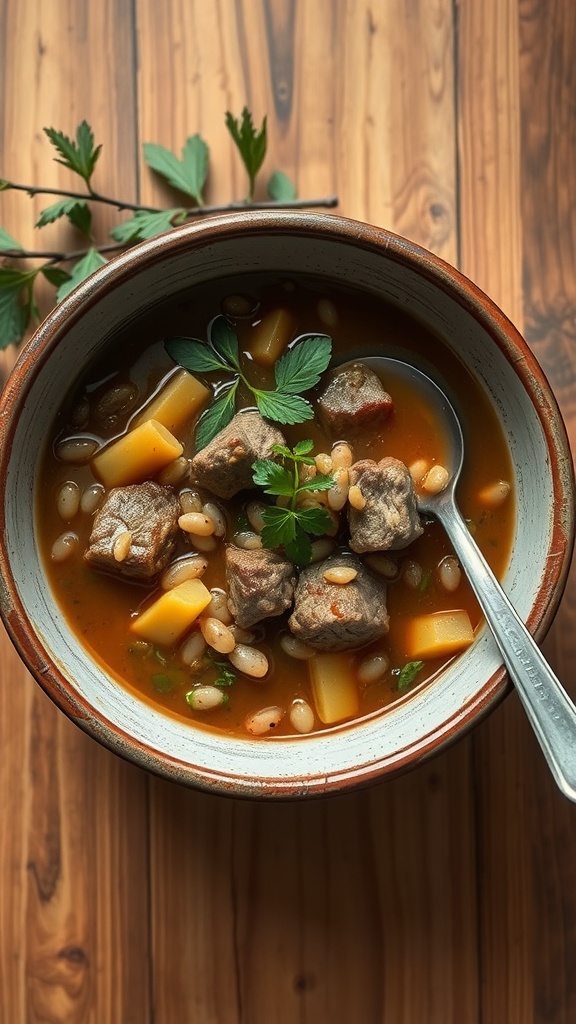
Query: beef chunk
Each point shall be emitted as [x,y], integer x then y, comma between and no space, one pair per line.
[389,520]
[354,398]
[339,616]
[149,512]
[260,584]
[225,465]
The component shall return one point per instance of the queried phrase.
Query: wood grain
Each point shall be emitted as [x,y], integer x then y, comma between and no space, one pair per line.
[442,897]
[516,62]
[319,912]
[73,845]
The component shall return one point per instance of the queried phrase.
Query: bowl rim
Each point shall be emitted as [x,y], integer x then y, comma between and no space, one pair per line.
[322,227]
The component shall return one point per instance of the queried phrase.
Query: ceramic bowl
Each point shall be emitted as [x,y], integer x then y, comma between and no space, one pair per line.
[385,265]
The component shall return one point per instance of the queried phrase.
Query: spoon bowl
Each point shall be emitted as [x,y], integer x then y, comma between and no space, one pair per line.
[549,708]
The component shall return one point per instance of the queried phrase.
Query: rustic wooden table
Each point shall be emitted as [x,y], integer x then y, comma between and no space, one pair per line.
[447,896]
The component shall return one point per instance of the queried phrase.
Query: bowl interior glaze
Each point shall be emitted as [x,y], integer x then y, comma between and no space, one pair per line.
[384,265]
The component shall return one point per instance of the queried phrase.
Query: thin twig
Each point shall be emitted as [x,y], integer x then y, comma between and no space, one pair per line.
[65,257]
[194,211]
[86,197]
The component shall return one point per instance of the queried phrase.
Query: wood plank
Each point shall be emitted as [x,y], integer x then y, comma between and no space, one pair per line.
[73,841]
[361,907]
[548,86]
[516,74]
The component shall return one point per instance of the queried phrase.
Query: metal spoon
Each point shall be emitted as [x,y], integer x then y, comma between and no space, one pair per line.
[549,708]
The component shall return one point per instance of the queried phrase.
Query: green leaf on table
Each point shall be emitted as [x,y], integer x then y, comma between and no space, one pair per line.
[280,188]
[301,367]
[55,275]
[145,224]
[216,417]
[80,155]
[16,304]
[11,278]
[189,174]
[80,271]
[5,185]
[250,142]
[7,243]
[78,214]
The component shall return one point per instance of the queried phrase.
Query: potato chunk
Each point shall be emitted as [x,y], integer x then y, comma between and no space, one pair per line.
[270,338]
[334,687]
[137,455]
[180,398]
[165,621]
[438,635]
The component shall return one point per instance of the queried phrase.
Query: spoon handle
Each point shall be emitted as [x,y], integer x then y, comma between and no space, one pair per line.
[548,706]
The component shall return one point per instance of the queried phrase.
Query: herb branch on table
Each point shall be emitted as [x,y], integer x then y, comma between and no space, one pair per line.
[298,370]
[187,174]
[289,527]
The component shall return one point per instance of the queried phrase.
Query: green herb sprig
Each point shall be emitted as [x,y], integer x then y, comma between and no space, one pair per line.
[298,370]
[187,174]
[289,527]
[407,674]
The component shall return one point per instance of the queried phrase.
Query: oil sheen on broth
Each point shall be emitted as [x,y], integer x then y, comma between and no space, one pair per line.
[272,683]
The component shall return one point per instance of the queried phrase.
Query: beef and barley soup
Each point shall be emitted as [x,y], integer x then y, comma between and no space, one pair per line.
[228,515]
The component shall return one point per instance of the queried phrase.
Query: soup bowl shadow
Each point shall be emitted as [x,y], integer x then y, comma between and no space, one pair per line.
[338,251]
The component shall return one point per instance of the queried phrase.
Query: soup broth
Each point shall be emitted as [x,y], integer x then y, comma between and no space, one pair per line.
[189,677]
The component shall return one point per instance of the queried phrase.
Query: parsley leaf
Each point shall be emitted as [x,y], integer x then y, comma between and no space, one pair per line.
[251,144]
[408,674]
[194,355]
[280,188]
[146,225]
[162,682]
[301,367]
[314,520]
[223,339]
[189,174]
[302,448]
[282,408]
[225,677]
[297,370]
[216,417]
[289,526]
[299,550]
[80,271]
[272,477]
[79,156]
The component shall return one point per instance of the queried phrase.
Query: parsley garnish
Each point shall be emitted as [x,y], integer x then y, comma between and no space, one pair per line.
[407,675]
[289,527]
[225,677]
[296,371]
